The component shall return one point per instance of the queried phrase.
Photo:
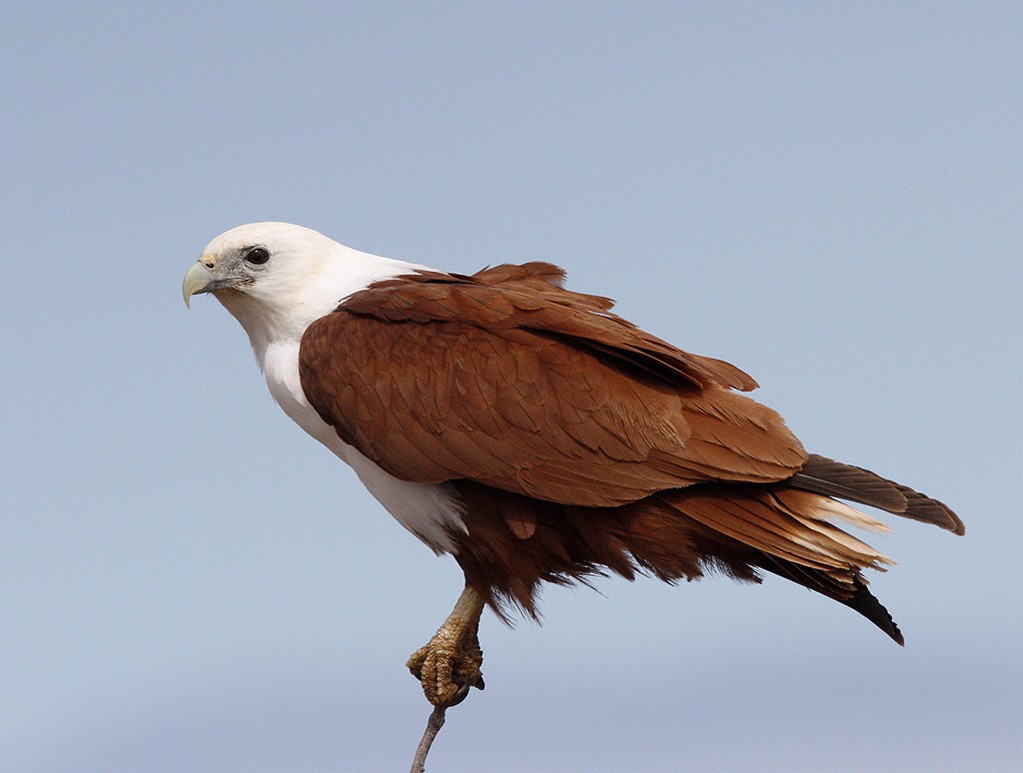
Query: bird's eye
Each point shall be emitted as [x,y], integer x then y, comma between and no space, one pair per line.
[257,255]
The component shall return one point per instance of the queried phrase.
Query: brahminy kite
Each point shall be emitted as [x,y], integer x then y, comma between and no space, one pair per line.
[536,436]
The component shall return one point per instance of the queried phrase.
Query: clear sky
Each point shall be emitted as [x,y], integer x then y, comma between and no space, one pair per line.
[828,195]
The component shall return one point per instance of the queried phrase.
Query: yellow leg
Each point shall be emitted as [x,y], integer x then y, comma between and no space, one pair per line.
[450,664]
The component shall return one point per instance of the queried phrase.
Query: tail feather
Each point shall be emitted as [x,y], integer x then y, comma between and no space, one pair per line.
[849,588]
[855,484]
[866,603]
[790,527]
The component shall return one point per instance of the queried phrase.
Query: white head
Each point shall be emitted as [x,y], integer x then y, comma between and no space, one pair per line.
[277,278]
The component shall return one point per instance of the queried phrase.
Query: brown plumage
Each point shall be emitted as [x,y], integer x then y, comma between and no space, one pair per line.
[537,436]
[578,443]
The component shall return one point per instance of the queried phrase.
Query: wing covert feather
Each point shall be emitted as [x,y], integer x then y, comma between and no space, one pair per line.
[508,380]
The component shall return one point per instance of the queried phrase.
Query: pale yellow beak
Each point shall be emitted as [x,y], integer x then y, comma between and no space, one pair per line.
[198,279]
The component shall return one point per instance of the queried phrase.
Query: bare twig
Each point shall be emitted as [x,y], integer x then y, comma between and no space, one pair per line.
[433,726]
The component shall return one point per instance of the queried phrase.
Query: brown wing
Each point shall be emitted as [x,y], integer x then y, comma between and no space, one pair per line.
[506,379]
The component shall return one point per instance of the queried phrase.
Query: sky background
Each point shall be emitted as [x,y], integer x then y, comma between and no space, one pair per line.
[828,195]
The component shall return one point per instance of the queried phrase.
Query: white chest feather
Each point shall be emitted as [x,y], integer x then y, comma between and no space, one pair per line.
[428,510]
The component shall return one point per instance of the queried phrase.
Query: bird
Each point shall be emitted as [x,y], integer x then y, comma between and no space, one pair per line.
[539,438]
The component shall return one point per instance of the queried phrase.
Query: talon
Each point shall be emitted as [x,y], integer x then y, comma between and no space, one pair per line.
[450,664]
[461,695]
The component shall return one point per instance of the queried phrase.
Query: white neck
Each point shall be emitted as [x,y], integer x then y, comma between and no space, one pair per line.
[276,315]
[285,314]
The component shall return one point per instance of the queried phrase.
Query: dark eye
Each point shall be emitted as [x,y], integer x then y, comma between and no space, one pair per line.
[257,255]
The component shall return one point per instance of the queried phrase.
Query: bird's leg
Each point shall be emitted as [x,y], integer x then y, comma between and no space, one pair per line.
[450,664]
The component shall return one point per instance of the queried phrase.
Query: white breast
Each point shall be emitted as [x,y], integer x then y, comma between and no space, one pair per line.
[428,510]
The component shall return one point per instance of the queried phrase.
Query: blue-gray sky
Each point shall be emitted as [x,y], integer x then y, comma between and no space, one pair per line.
[828,195]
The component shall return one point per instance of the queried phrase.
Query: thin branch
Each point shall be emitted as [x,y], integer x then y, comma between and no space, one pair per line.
[433,726]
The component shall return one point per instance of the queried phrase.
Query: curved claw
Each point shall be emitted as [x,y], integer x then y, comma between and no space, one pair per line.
[461,695]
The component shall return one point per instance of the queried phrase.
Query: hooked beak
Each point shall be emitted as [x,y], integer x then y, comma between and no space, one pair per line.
[202,277]
[198,279]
